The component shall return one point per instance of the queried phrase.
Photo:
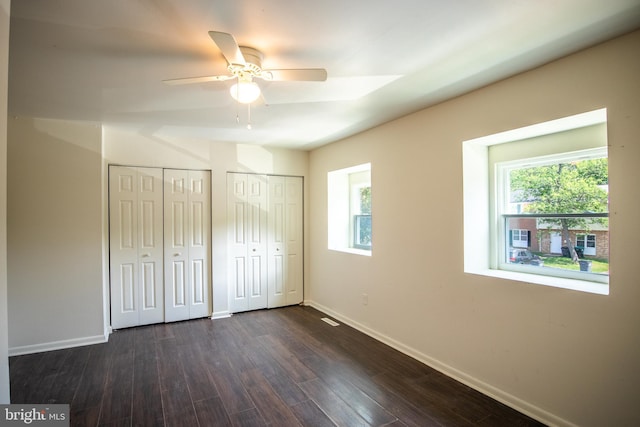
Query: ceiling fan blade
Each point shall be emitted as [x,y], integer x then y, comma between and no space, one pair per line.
[303,74]
[228,46]
[203,79]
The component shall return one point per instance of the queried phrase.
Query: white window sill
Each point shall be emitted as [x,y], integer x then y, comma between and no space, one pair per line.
[355,251]
[556,282]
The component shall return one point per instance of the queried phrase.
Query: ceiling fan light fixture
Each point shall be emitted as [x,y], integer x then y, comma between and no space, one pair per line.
[245,92]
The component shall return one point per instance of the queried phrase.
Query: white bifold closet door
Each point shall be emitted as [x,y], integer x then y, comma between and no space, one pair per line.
[136,248]
[154,215]
[265,241]
[247,235]
[186,250]
[284,241]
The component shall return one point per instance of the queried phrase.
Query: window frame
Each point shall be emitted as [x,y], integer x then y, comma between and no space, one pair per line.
[502,212]
[481,251]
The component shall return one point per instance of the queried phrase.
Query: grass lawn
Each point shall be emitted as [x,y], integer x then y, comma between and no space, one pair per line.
[597,265]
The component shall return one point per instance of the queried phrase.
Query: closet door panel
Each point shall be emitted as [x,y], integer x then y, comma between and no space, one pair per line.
[149,280]
[294,240]
[237,241]
[176,254]
[199,230]
[276,246]
[127,290]
[198,288]
[247,237]
[135,245]
[257,243]
[151,251]
[239,271]
[175,246]
[123,246]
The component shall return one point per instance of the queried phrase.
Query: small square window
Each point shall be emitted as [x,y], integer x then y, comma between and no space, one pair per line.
[349,210]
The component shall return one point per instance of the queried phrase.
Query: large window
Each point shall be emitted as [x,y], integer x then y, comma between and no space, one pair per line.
[349,209]
[536,204]
[561,196]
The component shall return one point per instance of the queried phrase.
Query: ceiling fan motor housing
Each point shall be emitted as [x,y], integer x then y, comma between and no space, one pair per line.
[252,66]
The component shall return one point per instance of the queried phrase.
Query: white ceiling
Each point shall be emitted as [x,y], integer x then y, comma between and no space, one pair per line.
[104,60]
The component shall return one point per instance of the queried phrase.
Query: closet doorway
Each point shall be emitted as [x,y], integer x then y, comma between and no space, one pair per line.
[159,245]
[265,235]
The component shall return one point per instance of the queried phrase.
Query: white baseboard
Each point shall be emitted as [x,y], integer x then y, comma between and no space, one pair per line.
[220,315]
[57,345]
[481,386]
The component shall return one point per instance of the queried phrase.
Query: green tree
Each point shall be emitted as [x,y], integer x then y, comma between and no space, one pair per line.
[563,188]
[365,200]
[596,169]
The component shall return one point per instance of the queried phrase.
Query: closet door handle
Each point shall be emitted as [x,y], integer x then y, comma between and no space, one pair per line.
[177,254]
[146,255]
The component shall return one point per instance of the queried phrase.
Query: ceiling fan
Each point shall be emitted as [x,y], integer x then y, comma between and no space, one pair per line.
[245,64]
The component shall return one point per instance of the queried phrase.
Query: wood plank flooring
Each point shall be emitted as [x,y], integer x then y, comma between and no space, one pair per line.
[282,367]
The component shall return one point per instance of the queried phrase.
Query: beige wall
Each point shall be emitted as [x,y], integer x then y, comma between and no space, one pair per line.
[127,147]
[563,356]
[54,234]
[4,329]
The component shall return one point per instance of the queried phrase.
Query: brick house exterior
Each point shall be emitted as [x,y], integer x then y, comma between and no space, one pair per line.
[541,240]
[601,237]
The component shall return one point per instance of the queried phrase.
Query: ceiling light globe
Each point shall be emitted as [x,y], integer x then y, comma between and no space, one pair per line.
[245,92]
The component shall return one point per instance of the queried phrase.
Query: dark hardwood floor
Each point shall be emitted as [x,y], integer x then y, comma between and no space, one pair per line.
[282,367]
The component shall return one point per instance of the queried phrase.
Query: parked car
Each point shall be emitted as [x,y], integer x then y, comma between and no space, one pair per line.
[523,256]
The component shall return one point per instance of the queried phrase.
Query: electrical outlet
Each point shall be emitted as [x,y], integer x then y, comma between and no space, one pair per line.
[365,299]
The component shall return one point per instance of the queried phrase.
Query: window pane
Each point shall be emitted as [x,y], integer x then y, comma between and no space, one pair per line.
[569,187]
[360,207]
[365,200]
[362,231]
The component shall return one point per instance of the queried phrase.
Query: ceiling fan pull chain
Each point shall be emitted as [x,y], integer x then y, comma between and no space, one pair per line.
[237,109]
[249,116]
